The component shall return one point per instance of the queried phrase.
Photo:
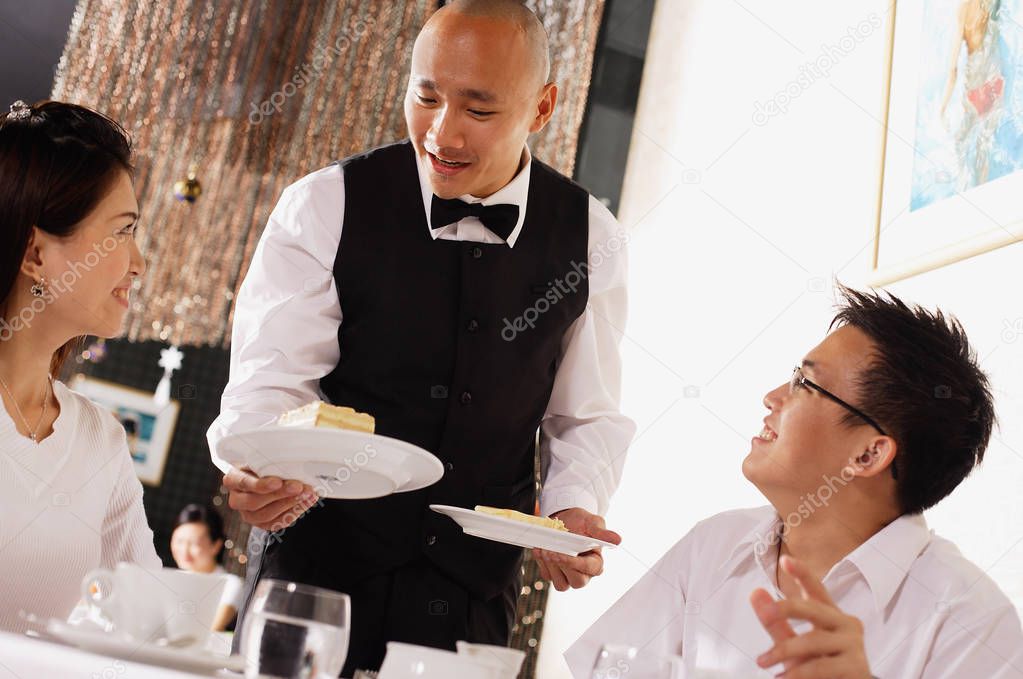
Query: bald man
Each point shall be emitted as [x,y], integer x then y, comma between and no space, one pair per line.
[469,297]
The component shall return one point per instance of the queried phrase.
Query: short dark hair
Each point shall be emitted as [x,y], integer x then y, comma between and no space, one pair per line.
[195,513]
[57,162]
[924,386]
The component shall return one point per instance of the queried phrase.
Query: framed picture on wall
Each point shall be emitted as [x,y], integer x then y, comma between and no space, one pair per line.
[952,148]
[149,428]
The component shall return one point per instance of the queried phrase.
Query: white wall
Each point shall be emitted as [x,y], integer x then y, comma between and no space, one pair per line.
[737,230]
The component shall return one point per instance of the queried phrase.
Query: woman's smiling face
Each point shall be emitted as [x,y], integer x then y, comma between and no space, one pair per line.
[89,274]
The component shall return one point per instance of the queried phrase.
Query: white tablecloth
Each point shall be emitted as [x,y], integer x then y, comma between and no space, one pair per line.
[24,658]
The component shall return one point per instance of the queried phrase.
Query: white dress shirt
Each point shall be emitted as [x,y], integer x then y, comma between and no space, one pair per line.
[927,611]
[69,504]
[287,316]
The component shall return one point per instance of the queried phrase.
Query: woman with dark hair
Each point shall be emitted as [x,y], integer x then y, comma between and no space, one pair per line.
[69,497]
[196,545]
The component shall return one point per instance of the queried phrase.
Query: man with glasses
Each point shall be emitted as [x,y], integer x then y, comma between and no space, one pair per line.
[839,576]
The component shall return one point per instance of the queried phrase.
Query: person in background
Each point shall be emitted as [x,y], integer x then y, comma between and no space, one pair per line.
[197,544]
[69,498]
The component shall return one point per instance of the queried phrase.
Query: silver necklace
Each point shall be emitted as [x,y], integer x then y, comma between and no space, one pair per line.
[32,433]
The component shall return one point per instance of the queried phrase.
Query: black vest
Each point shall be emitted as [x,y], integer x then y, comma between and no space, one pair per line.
[452,346]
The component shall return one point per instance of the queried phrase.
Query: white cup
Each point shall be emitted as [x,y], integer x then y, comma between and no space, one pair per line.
[507,660]
[407,661]
[150,605]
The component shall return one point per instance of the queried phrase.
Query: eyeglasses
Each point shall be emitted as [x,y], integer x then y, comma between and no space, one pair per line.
[801,380]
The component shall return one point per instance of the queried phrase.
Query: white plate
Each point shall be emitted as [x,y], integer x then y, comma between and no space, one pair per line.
[105,643]
[518,533]
[337,463]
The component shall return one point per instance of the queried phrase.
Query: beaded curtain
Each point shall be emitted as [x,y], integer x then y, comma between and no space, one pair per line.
[257,93]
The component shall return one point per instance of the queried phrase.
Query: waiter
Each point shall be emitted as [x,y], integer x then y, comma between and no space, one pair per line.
[465,295]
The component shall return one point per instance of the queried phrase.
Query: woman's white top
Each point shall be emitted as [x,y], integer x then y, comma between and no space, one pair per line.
[68,504]
[233,589]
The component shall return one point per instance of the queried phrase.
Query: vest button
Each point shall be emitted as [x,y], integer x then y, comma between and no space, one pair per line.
[473,325]
[431,540]
[477,252]
[466,398]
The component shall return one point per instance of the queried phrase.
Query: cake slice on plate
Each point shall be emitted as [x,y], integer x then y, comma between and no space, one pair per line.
[320,414]
[543,521]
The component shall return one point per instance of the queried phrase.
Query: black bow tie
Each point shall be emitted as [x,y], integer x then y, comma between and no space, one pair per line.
[501,219]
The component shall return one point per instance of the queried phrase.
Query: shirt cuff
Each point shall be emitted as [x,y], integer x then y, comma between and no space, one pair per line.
[566,497]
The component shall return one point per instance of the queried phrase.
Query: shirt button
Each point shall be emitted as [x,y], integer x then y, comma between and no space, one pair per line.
[431,540]
[466,398]
[477,252]
[473,325]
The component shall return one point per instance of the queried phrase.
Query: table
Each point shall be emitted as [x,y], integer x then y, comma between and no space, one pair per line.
[22,657]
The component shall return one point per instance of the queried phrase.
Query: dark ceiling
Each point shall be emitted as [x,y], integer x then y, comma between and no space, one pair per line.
[32,35]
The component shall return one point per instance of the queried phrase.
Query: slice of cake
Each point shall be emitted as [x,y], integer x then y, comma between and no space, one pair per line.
[556,524]
[320,414]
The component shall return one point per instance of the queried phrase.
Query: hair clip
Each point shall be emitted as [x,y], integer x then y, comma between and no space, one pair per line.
[19,111]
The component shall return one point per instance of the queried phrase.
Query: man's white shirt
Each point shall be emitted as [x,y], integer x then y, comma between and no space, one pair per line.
[928,612]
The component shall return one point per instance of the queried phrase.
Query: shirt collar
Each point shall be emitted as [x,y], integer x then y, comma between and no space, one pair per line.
[514,192]
[760,543]
[884,560]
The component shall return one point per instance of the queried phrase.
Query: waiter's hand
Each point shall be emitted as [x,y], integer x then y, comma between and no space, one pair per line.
[834,648]
[575,571]
[268,502]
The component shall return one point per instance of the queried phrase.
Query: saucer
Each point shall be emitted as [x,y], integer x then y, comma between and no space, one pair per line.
[188,659]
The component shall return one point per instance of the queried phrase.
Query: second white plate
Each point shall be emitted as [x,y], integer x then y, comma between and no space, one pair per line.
[518,533]
[104,643]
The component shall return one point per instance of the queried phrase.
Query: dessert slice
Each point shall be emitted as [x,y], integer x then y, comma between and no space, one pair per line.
[320,414]
[556,524]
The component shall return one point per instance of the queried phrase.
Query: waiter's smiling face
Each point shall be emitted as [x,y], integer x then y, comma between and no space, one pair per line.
[476,92]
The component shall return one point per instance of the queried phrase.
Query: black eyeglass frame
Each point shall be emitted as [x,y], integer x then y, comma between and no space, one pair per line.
[799,378]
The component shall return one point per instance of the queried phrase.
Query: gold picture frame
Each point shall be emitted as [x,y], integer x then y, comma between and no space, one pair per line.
[149,428]
[940,203]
